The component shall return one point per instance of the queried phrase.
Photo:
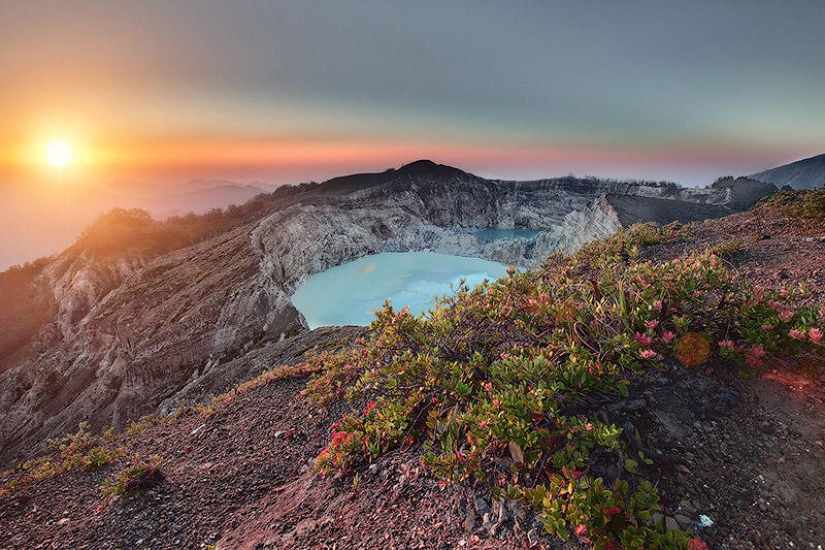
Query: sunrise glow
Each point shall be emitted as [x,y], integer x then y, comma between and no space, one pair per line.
[59,153]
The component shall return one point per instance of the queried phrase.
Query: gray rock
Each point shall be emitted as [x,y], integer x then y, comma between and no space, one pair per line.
[133,334]
[683,520]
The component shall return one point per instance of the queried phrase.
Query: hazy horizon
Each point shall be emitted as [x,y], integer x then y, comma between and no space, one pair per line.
[284,93]
[24,239]
[156,94]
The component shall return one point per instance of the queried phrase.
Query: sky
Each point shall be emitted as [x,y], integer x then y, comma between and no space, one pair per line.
[285,92]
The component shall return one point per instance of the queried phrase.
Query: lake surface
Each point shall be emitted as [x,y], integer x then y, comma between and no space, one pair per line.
[350,293]
[495,234]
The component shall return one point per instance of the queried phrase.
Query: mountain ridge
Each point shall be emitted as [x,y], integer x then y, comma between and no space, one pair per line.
[125,333]
[807,173]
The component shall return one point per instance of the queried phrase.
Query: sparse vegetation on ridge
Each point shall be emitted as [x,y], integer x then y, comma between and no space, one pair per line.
[127,482]
[280,373]
[809,205]
[80,451]
[499,383]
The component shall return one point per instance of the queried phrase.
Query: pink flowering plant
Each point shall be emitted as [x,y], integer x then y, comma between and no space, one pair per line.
[494,382]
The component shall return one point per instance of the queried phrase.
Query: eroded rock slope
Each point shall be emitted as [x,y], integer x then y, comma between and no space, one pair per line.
[134,333]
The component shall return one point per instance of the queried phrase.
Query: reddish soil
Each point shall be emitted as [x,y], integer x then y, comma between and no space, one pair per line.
[745,454]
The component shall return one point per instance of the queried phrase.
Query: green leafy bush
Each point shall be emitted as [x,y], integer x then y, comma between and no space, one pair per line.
[495,382]
[128,481]
[798,204]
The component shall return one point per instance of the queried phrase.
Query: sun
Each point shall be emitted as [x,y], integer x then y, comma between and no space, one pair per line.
[59,153]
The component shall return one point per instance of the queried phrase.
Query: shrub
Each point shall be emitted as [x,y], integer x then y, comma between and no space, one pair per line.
[798,204]
[129,481]
[80,451]
[495,382]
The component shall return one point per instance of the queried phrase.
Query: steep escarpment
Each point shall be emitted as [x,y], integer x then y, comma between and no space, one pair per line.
[128,334]
[130,331]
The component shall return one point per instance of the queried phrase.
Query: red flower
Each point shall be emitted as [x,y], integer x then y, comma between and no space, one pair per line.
[697,544]
[581,532]
[797,334]
[753,356]
[643,339]
[648,354]
[370,406]
[612,511]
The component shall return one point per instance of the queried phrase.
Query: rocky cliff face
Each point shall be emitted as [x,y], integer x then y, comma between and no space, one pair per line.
[598,220]
[134,334]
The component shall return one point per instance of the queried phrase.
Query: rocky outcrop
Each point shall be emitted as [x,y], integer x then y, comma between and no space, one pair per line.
[580,227]
[133,334]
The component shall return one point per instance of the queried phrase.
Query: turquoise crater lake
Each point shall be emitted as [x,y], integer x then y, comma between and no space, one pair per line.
[349,294]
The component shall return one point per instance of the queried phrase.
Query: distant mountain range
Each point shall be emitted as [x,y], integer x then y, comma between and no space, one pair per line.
[803,174]
[35,221]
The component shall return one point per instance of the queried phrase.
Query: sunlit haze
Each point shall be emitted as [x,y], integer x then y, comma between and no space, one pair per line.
[59,153]
[161,93]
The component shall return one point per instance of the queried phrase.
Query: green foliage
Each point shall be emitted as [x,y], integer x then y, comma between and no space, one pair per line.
[128,481]
[133,230]
[798,204]
[813,205]
[626,244]
[495,382]
[264,379]
[84,451]
[80,451]
[608,517]
[727,249]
